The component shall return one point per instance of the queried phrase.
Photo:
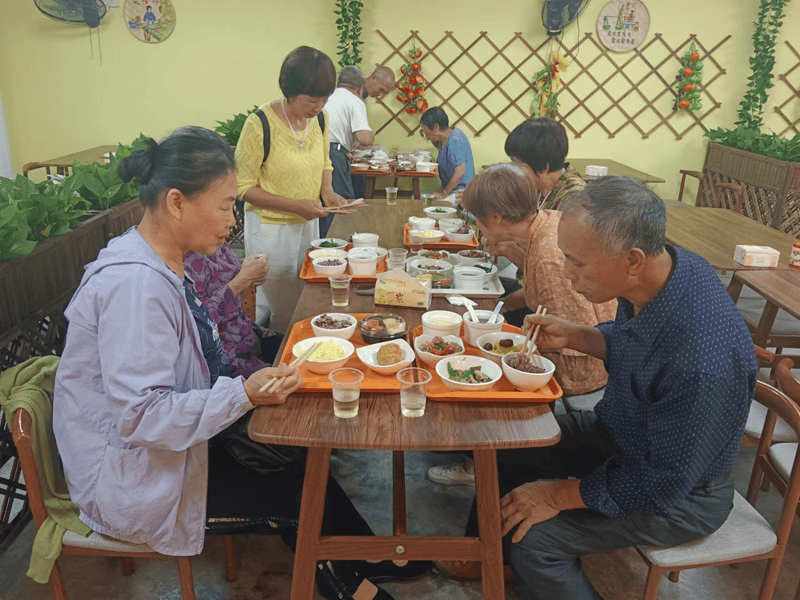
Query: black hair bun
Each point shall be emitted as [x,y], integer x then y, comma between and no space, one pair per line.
[140,164]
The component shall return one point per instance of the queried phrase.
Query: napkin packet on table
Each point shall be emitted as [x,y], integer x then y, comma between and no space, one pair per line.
[398,288]
[756,256]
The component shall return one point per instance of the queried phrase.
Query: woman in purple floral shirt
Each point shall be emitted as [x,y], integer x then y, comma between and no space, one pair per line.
[219,280]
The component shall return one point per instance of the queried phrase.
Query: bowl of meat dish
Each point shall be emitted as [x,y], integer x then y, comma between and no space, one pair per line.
[420,265]
[329,243]
[468,373]
[496,345]
[432,348]
[434,254]
[340,325]
[327,253]
[488,268]
[439,212]
[468,258]
[386,358]
[460,235]
[382,327]
[527,375]
[329,266]
[331,354]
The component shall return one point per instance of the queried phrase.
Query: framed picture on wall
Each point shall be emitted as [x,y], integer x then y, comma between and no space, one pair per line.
[150,21]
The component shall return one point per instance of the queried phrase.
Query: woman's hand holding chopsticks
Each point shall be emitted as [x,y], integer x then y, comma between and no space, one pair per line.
[272,385]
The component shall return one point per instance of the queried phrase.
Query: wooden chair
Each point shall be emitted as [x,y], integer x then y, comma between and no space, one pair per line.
[63,170]
[737,189]
[95,544]
[758,413]
[745,535]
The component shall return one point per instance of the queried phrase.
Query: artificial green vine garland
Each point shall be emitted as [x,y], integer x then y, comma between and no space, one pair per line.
[687,95]
[348,23]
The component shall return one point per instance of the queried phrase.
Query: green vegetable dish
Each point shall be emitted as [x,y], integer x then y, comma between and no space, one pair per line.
[487,269]
[329,244]
[471,375]
[438,210]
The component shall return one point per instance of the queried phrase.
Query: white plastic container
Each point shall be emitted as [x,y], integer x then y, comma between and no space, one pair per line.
[363,263]
[450,223]
[422,223]
[365,240]
[459,238]
[469,278]
[426,167]
[472,331]
[441,322]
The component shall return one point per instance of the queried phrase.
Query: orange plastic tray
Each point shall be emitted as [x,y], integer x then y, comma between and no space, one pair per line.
[441,245]
[314,382]
[309,274]
[503,391]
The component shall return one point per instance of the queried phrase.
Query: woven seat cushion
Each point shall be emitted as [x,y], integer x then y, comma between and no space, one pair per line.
[745,533]
[782,456]
[97,541]
[755,425]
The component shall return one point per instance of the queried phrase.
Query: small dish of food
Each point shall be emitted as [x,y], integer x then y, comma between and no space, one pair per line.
[439,212]
[382,327]
[329,266]
[386,358]
[450,223]
[360,166]
[438,280]
[434,254]
[496,345]
[432,348]
[488,268]
[340,325]
[525,374]
[331,354]
[328,253]
[329,243]
[469,257]
[419,265]
[468,373]
[425,236]
[460,235]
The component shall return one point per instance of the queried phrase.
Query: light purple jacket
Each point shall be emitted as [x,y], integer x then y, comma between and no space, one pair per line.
[133,406]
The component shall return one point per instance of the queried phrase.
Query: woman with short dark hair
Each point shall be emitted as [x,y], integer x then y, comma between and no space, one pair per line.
[282,190]
[456,166]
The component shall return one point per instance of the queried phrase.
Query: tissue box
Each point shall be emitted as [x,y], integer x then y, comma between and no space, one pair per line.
[756,256]
[596,171]
[398,288]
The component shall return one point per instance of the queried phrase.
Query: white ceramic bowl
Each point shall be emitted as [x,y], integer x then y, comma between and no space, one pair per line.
[487,274]
[441,322]
[425,236]
[472,331]
[438,266]
[345,333]
[444,254]
[448,223]
[337,269]
[328,253]
[369,356]
[360,166]
[422,223]
[468,261]
[365,240]
[379,250]
[493,338]
[339,242]
[363,262]
[439,212]
[528,382]
[431,359]
[460,238]
[426,167]
[467,361]
[468,278]
[323,367]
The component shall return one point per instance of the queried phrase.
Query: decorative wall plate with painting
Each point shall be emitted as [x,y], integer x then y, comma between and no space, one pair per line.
[150,21]
[623,24]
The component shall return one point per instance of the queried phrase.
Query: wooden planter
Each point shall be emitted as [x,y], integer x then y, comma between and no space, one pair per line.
[770,188]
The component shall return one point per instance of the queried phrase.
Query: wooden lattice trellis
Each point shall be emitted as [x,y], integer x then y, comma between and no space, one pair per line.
[469,86]
[792,102]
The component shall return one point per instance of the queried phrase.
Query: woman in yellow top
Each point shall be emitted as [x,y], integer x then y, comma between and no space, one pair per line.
[282,193]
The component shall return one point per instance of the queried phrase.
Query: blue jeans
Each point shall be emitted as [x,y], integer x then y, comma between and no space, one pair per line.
[546,561]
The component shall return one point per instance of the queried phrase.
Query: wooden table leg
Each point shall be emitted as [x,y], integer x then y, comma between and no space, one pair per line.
[399,497]
[765,323]
[487,495]
[416,188]
[312,507]
[369,187]
[734,289]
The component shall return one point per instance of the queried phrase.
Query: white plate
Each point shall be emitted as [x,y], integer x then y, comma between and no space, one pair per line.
[318,243]
[368,355]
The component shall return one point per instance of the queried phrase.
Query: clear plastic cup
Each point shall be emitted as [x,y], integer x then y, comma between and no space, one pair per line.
[340,289]
[413,391]
[391,195]
[346,384]
[398,253]
[392,263]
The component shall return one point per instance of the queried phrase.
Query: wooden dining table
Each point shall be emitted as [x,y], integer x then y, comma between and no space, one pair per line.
[714,233]
[370,175]
[614,168]
[307,419]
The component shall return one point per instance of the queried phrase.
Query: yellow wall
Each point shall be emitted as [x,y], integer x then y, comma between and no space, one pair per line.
[224,57]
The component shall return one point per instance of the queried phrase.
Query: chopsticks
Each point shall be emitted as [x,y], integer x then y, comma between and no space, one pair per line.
[534,333]
[269,387]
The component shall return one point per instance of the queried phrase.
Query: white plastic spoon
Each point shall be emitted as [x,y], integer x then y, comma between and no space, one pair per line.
[495,312]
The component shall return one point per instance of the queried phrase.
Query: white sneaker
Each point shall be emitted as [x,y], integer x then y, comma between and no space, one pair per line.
[454,474]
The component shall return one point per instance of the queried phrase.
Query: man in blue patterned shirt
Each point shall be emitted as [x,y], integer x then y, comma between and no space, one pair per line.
[652,464]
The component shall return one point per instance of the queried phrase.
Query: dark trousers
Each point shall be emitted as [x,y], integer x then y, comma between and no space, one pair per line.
[342,184]
[546,561]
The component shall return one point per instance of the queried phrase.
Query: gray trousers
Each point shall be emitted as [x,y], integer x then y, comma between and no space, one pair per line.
[546,561]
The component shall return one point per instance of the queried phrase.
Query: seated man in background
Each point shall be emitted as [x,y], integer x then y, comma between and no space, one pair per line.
[456,167]
[652,463]
[503,200]
[349,124]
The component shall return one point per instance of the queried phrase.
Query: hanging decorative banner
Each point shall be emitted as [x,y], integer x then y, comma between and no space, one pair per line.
[150,21]
[623,25]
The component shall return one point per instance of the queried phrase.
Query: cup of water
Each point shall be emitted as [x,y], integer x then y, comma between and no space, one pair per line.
[346,384]
[413,391]
[391,195]
[340,289]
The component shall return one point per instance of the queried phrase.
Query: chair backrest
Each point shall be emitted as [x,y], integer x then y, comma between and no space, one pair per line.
[22,435]
[786,380]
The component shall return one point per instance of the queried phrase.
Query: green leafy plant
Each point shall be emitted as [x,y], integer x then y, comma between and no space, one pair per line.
[232,128]
[348,23]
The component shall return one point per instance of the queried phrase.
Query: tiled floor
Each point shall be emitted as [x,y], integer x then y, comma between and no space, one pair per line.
[265,564]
